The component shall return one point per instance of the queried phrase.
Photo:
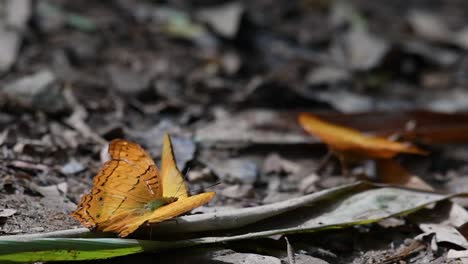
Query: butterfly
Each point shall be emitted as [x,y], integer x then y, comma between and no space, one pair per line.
[130,191]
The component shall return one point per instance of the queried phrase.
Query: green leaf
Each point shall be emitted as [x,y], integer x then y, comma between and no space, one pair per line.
[62,249]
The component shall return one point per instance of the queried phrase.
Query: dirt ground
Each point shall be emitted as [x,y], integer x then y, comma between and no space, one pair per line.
[226,79]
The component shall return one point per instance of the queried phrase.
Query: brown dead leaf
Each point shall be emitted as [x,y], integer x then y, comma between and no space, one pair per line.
[275,164]
[389,171]
[7,212]
[427,127]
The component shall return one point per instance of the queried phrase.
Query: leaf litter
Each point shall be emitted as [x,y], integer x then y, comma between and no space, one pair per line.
[231,88]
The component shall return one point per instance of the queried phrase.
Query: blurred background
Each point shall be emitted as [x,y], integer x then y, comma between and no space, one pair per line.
[225,78]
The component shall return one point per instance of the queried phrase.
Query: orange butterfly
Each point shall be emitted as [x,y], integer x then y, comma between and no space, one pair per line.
[129,191]
[352,144]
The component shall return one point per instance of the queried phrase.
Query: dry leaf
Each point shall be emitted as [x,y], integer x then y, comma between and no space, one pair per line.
[351,144]
[389,171]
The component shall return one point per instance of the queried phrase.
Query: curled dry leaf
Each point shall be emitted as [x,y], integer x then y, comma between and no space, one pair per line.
[351,144]
[389,171]
[7,212]
[426,127]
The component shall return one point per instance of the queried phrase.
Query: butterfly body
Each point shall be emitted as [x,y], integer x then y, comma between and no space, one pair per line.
[155,204]
[129,191]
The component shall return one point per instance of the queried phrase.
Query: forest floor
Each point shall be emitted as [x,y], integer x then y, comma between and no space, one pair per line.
[226,81]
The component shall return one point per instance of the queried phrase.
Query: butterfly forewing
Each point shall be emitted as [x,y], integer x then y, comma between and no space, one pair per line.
[124,184]
[140,168]
[173,183]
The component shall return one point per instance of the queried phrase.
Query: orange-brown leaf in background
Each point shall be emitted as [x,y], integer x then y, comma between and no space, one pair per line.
[421,126]
[352,144]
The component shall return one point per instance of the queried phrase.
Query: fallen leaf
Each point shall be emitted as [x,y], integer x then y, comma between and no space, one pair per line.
[53,17]
[328,75]
[445,233]
[429,26]
[13,22]
[427,127]
[404,252]
[55,195]
[72,167]
[389,171]
[274,197]
[431,53]
[225,19]
[446,213]
[7,212]
[229,256]
[238,191]
[236,170]
[275,164]
[345,101]
[364,50]
[432,27]
[458,254]
[40,90]
[440,223]
[308,183]
[352,144]
[357,47]
[354,204]
[200,175]
[179,24]
[306,259]
[216,255]
[462,37]
[128,81]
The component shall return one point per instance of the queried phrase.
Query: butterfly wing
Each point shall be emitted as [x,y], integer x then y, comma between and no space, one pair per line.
[180,206]
[126,224]
[124,185]
[127,183]
[173,184]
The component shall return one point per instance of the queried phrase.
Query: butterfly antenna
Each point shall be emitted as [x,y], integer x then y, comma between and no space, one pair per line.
[210,186]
